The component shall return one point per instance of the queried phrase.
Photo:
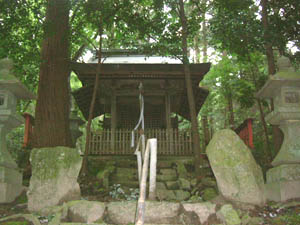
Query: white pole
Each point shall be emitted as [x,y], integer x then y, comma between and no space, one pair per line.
[153,161]
[143,185]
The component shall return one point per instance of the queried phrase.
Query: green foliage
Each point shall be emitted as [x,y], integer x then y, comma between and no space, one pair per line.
[118,193]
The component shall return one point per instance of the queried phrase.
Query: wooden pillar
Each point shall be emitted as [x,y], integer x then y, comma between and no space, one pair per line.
[113,120]
[168,121]
[168,111]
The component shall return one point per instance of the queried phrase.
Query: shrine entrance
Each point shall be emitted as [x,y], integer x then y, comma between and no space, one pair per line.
[165,99]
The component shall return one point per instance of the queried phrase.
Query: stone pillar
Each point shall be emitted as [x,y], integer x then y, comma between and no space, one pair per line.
[283,180]
[11,90]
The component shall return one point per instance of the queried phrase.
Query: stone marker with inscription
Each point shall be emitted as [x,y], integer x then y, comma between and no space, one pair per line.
[283,180]
[11,89]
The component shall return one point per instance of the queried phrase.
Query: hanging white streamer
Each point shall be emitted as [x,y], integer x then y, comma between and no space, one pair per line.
[141,119]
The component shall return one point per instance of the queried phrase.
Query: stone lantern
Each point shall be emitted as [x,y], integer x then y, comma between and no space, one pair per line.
[283,180]
[11,89]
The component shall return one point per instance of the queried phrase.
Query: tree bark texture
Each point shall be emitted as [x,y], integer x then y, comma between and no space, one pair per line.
[191,100]
[277,134]
[53,101]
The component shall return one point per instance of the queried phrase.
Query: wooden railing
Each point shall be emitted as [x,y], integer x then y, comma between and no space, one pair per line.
[169,142]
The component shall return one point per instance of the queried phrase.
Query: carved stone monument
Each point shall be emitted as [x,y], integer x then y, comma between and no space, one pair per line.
[11,89]
[283,180]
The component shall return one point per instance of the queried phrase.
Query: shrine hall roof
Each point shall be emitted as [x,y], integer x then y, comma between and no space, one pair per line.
[172,73]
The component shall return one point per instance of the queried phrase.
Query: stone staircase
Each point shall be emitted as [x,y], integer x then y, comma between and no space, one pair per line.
[171,185]
[175,180]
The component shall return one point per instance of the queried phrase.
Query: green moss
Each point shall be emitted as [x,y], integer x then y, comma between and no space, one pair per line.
[22,199]
[16,223]
[47,162]
[209,194]
[181,170]
[288,75]
[103,175]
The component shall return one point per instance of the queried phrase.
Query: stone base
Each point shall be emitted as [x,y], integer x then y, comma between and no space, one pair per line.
[282,190]
[9,192]
[283,183]
[54,177]
[10,184]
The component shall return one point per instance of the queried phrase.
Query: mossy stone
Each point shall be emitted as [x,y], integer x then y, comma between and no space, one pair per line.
[228,215]
[209,194]
[47,162]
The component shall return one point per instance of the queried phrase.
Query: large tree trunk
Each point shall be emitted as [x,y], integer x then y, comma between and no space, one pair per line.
[191,100]
[204,119]
[277,134]
[52,108]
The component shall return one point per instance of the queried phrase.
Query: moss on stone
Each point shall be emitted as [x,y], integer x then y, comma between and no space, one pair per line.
[287,75]
[181,170]
[47,162]
[16,223]
[209,194]
[103,175]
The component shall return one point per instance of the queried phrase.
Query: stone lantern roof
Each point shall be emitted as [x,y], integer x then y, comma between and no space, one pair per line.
[286,76]
[9,82]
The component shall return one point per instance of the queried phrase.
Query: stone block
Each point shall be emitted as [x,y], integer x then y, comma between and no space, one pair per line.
[172,185]
[203,210]
[54,177]
[155,212]
[228,215]
[280,191]
[184,184]
[283,182]
[209,194]
[86,211]
[9,192]
[167,195]
[182,195]
[287,172]
[181,170]
[121,212]
[238,176]
[167,175]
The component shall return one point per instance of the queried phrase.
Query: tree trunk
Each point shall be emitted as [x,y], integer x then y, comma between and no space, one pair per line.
[204,40]
[84,167]
[262,117]
[204,119]
[277,134]
[268,45]
[53,102]
[191,100]
[230,111]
